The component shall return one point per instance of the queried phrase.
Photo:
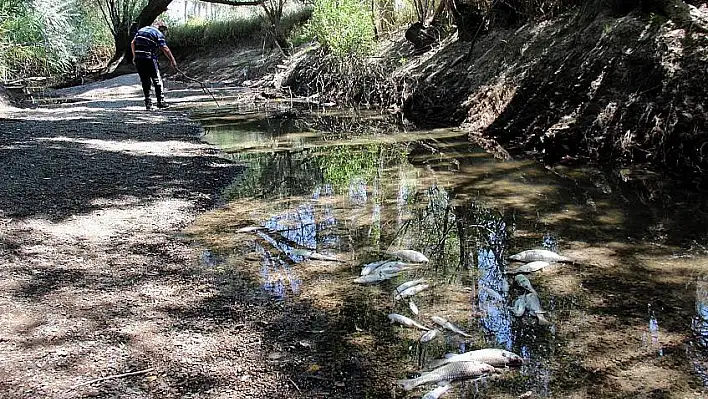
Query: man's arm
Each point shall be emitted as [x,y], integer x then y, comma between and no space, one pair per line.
[132,48]
[169,55]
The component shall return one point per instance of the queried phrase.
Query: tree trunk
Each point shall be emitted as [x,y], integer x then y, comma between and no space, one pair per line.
[123,53]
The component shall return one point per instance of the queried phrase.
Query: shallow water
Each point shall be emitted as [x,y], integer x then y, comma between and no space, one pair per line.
[629,318]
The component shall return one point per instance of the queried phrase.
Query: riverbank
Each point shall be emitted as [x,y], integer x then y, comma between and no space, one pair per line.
[97,279]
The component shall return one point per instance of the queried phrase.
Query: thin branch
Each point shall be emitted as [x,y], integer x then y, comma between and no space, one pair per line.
[236,2]
[112,377]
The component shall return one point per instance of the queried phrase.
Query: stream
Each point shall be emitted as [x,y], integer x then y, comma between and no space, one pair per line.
[627,318]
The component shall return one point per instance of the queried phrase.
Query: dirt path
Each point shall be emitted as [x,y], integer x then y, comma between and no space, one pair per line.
[95,277]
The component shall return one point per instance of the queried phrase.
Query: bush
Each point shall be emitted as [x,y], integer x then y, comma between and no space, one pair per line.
[344,27]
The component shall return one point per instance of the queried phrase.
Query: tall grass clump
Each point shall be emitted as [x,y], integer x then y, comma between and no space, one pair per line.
[247,28]
[344,27]
[42,37]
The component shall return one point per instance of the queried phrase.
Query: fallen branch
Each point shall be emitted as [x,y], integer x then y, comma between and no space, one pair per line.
[112,377]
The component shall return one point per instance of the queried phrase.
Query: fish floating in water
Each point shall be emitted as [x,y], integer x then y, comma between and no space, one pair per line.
[449,372]
[306,253]
[533,255]
[491,356]
[529,267]
[524,282]
[442,322]
[413,307]
[408,292]
[409,284]
[495,296]
[533,305]
[375,278]
[370,267]
[406,321]
[437,392]
[409,255]
[429,335]
[519,306]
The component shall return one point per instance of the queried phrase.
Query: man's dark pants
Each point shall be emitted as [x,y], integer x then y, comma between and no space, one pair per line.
[149,73]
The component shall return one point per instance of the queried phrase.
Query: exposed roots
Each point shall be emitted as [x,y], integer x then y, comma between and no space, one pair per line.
[350,81]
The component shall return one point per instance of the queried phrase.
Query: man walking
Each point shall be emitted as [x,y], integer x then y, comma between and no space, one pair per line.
[145,45]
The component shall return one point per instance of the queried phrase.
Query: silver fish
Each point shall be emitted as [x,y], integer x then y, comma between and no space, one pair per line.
[495,296]
[314,255]
[374,278]
[491,356]
[437,392]
[539,254]
[519,306]
[533,305]
[397,318]
[409,284]
[392,267]
[409,255]
[413,307]
[370,267]
[411,291]
[529,267]
[524,282]
[448,372]
[442,322]
[429,335]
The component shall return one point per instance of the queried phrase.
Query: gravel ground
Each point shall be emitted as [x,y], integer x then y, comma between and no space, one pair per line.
[96,278]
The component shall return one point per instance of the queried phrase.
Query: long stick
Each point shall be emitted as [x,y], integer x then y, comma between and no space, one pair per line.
[112,377]
[204,88]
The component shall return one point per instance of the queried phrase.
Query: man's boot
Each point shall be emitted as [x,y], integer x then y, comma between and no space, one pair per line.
[160,98]
[148,104]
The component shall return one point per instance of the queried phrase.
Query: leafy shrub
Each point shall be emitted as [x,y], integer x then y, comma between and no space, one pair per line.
[344,27]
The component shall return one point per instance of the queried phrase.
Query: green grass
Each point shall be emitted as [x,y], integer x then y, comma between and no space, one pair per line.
[249,29]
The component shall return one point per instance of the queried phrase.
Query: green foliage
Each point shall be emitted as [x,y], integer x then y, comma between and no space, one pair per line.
[344,27]
[249,28]
[43,37]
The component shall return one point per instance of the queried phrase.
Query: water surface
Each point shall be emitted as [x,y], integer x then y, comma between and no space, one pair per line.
[628,319]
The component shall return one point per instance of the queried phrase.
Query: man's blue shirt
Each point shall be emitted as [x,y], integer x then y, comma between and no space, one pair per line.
[147,41]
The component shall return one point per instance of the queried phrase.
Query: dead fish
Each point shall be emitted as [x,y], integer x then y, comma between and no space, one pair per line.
[437,392]
[442,322]
[524,282]
[519,306]
[409,284]
[411,291]
[375,278]
[392,267]
[529,267]
[413,307]
[409,255]
[314,255]
[491,356]
[406,321]
[370,267]
[448,372]
[491,294]
[429,335]
[250,229]
[533,255]
[533,305]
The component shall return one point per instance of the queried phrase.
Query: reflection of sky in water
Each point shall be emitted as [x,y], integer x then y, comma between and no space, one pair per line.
[653,338]
[550,242]
[700,331]
[277,275]
[298,228]
[357,191]
[497,317]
